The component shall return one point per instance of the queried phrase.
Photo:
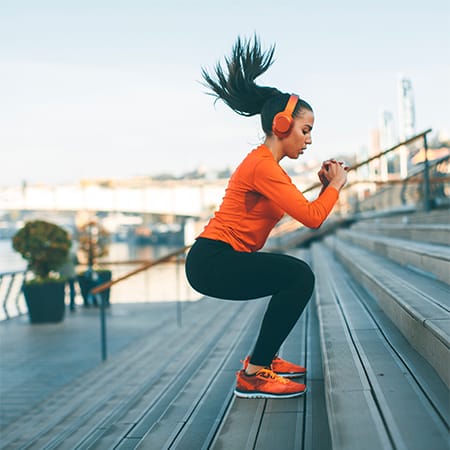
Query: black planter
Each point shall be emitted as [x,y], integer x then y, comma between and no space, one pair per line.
[45,301]
[87,284]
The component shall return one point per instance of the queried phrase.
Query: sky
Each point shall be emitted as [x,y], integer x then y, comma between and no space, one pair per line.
[112,89]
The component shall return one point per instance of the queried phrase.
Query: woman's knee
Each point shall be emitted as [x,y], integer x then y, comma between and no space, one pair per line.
[305,278]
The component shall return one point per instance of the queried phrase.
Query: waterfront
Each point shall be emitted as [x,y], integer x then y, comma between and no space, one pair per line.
[165,282]
[161,283]
[10,260]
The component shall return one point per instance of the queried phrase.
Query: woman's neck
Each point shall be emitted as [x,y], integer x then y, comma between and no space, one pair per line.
[273,144]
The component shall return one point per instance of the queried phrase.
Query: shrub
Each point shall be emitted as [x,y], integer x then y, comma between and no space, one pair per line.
[44,245]
[93,241]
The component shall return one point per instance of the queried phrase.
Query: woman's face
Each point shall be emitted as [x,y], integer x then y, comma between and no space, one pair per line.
[300,136]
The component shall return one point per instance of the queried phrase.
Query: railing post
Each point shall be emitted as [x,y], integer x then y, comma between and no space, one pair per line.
[8,292]
[99,298]
[4,302]
[101,301]
[178,289]
[19,293]
[426,177]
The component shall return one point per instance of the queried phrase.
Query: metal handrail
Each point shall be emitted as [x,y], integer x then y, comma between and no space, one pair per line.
[290,224]
[377,156]
[147,265]
[397,181]
[389,150]
[7,297]
[102,287]
[125,262]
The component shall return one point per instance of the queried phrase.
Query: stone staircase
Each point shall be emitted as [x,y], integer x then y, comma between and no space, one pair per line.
[383,305]
[375,339]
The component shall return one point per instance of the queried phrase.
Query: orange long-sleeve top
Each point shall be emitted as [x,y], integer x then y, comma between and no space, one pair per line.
[258,194]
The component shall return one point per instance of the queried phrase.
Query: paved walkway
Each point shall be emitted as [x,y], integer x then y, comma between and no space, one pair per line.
[38,360]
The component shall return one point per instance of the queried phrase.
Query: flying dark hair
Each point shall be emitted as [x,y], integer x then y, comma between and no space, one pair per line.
[237,88]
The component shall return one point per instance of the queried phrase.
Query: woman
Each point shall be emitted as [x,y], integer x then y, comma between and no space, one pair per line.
[224,262]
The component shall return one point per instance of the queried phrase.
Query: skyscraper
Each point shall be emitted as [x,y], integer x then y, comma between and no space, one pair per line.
[386,140]
[387,131]
[406,120]
[406,110]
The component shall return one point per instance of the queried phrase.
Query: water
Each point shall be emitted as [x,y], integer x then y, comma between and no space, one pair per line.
[164,282]
[161,283]
[10,260]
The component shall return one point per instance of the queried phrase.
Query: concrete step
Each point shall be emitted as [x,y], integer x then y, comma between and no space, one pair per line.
[417,304]
[431,259]
[195,413]
[435,216]
[283,423]
[122,401]
[367,387]
[431,233]
[300,422]
[374,399]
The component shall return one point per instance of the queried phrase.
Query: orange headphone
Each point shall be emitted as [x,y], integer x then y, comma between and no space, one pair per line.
[282,122]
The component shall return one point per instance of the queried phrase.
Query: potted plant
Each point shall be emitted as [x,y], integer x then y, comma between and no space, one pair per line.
[45,246]
[93,243]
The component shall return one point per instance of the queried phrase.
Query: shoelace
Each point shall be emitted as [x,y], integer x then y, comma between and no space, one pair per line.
[267,373]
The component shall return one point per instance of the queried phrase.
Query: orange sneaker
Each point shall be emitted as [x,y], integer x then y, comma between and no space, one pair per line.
[282,367]
[266,384]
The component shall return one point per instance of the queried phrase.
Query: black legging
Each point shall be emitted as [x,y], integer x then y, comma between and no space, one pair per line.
[215,269]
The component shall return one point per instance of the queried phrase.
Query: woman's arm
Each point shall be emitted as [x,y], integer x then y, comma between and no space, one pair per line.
[272,182]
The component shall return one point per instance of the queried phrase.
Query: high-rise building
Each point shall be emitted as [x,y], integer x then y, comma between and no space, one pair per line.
[386,140]
[388,164]
[406,120]
[406,110]
[387,130]
[374,149]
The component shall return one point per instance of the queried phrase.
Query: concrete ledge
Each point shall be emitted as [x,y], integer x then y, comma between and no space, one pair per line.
[268,424]
[407,215]
[380,386]
[348,390]
[417,317]
[431,233]
[151,391]
[431,258]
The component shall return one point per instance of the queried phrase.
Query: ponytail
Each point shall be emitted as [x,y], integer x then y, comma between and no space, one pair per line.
[237,88]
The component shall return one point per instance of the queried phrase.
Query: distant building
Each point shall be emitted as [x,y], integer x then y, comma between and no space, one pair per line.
[406,120]
[387,139]
[374,149]
[406,109]
[387,130]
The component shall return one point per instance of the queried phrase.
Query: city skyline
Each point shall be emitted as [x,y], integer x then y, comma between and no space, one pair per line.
[102,90]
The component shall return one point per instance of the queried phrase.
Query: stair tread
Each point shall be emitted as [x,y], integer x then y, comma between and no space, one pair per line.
[397,398]
[418,305]
[439,251]
[402,226]
[114,387]
[426,298]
